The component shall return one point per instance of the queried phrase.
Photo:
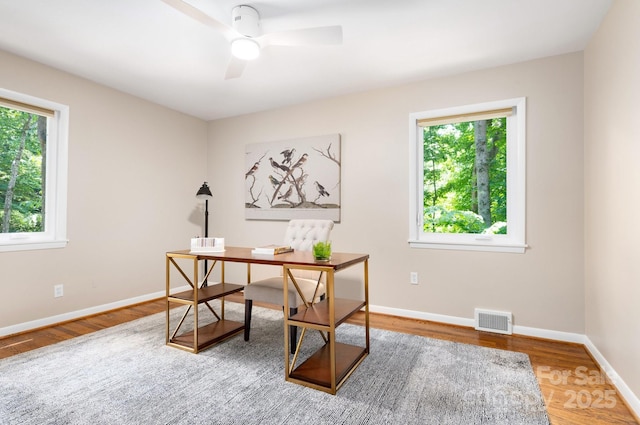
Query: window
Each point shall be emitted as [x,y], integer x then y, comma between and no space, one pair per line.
[468,177]
[33,172]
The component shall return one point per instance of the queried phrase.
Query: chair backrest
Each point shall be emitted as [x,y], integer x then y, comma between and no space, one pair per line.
[302,234]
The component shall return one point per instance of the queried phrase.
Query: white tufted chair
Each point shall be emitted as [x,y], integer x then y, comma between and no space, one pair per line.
[301,235]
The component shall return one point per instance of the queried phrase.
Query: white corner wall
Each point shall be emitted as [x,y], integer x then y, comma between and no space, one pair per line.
[544,288]
[612,194]
[134,169]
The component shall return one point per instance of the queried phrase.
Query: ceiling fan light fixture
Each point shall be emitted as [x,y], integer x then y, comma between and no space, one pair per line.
[245,48]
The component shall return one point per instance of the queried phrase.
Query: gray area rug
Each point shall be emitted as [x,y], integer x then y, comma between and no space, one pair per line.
[126,375]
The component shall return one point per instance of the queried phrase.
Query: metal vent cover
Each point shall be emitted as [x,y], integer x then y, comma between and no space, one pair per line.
[494,321]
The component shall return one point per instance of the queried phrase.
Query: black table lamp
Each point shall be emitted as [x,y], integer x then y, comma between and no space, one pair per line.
[205,193]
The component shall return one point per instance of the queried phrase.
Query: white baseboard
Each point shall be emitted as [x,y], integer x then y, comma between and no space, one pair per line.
[549,334]
[52,320]
[441,318]
[469,322]
[632,400]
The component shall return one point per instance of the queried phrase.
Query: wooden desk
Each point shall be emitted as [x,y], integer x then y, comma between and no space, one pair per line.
[332,364]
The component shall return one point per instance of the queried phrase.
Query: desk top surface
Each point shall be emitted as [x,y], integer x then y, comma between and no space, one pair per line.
[338,260]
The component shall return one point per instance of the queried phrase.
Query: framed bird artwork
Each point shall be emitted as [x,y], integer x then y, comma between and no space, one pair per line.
[296,178]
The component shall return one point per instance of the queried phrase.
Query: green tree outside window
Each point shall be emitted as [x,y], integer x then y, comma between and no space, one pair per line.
[465,177]
[23,138]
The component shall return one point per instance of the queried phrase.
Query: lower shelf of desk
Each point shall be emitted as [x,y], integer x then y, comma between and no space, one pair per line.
[207,335]
[318,314]
[317,368]
[208,293]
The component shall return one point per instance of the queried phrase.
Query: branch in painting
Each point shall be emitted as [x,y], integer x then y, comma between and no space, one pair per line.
[288,177]
[328,154]
[251,174]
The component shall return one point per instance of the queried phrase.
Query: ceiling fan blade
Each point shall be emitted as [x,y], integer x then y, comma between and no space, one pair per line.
[234,68]
[304,37]
[201,17]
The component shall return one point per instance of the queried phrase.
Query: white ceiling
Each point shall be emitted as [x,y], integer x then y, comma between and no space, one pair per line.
[148,49]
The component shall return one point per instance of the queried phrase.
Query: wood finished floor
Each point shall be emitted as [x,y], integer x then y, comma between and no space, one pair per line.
[574,389]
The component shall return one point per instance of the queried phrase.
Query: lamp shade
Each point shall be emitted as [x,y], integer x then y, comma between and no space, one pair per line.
[204,192]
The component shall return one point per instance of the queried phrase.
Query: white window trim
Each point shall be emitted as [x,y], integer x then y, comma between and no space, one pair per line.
[516,185]
[55,234]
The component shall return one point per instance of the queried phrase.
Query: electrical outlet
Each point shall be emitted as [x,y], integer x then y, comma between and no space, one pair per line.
[58,291]
[413,278]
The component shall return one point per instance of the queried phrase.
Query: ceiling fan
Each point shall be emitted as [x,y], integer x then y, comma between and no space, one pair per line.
[246,38]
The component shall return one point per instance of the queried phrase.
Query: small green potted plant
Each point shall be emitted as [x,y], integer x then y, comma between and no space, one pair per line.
[322,251]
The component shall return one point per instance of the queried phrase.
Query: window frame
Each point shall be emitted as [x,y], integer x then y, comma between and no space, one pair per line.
[514,240]
[55,233]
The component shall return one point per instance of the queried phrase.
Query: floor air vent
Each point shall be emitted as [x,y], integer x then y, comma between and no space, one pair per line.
[494,321]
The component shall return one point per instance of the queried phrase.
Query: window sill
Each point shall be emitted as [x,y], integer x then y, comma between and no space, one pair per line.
[479,246]
[33,245]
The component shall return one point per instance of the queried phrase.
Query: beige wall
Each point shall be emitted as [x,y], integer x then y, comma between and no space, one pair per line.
[612,196]
[134,168]
[544,287]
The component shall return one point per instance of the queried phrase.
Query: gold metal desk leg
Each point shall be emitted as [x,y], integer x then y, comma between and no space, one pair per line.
[195,305]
